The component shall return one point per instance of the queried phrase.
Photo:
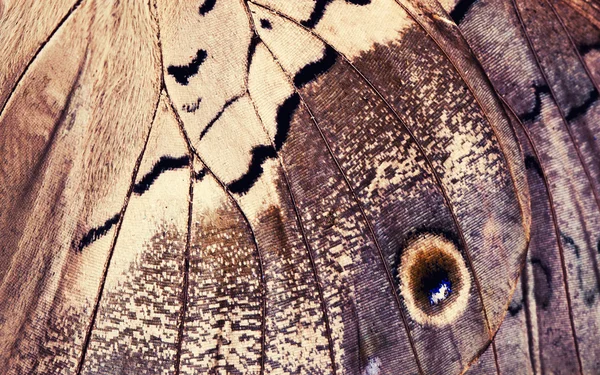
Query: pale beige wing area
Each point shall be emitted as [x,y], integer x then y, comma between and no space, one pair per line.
[270,187]
[71,135]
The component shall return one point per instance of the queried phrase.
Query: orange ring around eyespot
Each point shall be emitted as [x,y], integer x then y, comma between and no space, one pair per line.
[430,256]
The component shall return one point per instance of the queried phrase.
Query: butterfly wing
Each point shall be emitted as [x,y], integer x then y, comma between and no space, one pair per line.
[70,141]
[313,180]
[540,58]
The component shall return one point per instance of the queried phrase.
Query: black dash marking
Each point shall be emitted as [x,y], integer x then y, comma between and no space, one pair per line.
[193,107]
[165,163]
[531,162]
[207,6]
[96,233]
[589,296]
[219,114]
[265,24]
[284,118]
[583,108]
[543,283]
[199,176]
[461,9]
[569,241]
[311,70]
[183,73]
[587,48]
[259,155]
[598,246]
[251,49]
[537,108]
[515,307]
[319,11]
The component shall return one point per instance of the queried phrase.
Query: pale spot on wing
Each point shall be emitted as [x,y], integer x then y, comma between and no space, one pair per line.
[212,198]
[354,29]
[373,367]
[392,173]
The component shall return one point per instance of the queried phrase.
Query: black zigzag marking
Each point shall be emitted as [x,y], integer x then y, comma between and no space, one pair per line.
[260,154]
[584,107]
[95,233]
[312,70]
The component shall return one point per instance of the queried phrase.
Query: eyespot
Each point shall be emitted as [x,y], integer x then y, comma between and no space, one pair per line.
[434,280]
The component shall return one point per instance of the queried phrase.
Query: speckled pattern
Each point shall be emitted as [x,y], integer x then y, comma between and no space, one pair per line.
[236,187]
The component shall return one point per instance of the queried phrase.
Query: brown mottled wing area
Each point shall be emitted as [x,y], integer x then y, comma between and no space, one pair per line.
[541,56]
[258,187]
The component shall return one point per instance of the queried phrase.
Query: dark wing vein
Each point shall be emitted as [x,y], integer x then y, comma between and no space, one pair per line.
[560,110]
[201,174]
[284,116]
[556,228]
[427,160]
[471,90]
[359,204]
[36,54]
[119,224]
[304,240]
[500,145]
[562,115]
[186,265]
[572,43]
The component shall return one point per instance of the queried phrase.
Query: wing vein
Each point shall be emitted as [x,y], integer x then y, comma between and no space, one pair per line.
[560,110]
[470,88]
[186,269]
[571,136]
[253,235]
[134,174]
[308,247]
[556,231]
[572,43]
[362,212]
[206,169]
[36,54]
[419,147]
[294,205]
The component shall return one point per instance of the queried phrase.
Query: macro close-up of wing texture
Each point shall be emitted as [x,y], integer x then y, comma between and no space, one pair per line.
[326,187]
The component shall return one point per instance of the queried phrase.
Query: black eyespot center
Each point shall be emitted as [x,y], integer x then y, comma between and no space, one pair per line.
[433,273]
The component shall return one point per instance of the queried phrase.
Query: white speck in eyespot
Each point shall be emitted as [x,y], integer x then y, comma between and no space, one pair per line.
[440,293]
